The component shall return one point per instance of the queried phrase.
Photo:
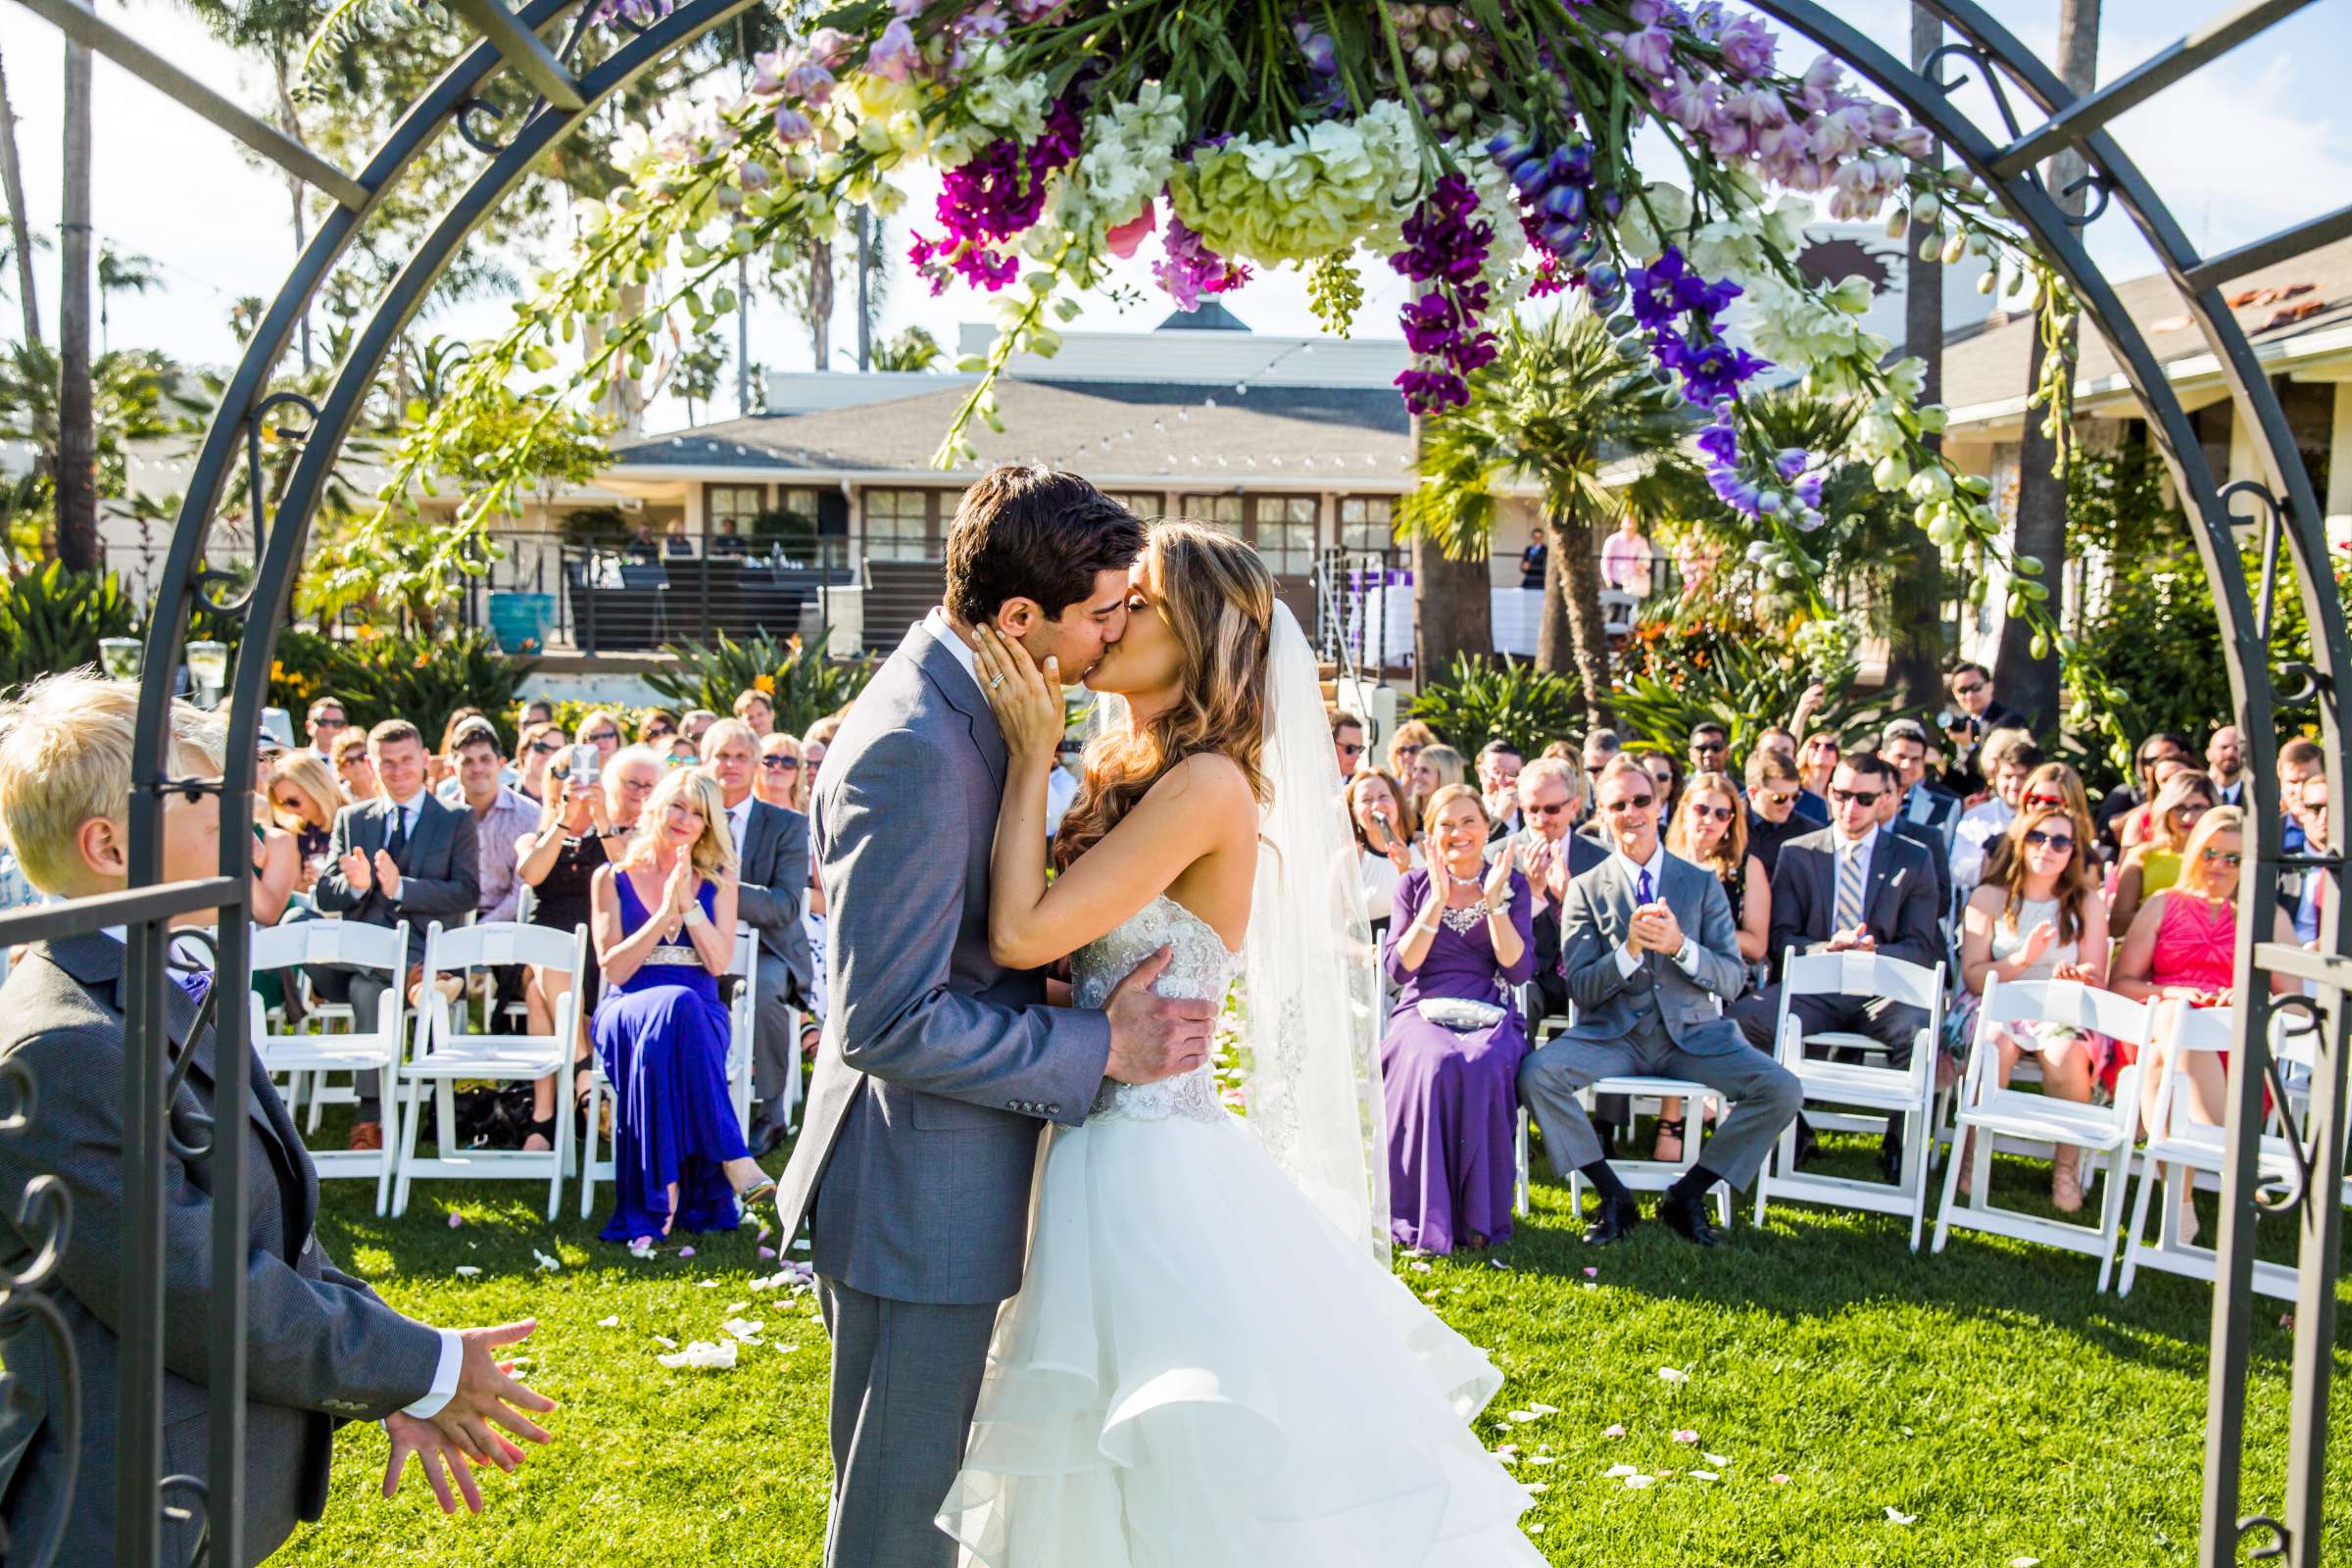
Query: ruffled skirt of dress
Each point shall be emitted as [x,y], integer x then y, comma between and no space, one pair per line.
[1199,1372]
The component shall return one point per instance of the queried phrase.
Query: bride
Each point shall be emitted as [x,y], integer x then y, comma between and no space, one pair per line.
[1209,1362]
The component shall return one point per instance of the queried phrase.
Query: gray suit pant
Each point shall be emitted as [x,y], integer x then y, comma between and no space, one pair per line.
[906,1376]
[365,989]
[1764,1095]
[773,1037]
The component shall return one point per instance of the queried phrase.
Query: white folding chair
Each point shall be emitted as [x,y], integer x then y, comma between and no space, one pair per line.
[365,1046]
[1908,1092]
[1644,1097]
[446,1054]
[2177,1139]
[2104,1133]
[742,1019]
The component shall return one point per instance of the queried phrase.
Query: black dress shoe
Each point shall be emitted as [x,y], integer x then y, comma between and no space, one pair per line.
[1615,1218]
[1688,1219]
[1891,1155]
[767,1137]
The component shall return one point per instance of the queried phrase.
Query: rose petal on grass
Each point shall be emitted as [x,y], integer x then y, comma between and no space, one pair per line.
[2025,1562]
[1705,1475]
[1615,1428]
[666,1342]
[1618,1472]
[455,1219]
[1420,1267]
[1523,1416]
[1716,1459]
[743,1327]
[1592,1273]
[703,1357]
[1544,1409]
[685,1252]
[607,1322]
[1544,1458]
[1779,1481]
[1685,1434]
[1896,1516]
[767,1254]
[545,1262]
[1673,1375]
[1539,1486]
[1636,1483]
[467,1270]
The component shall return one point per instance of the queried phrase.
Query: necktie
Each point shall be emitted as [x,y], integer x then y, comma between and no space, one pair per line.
[400,833]
[1849,887]
[1643,889]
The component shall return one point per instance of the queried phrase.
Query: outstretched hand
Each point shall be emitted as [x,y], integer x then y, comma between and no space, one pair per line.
[438,1457]
[1027,700]
[488,1396]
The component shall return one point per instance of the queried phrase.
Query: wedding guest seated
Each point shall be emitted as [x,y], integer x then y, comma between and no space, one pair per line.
[1497,768]
[502,818]
[2008,757]
[401,856]
[779,781]
[584,825]
[1386,846]
[304,797]
[2299,760]
[534,755]
[664,932]
[2312,892]
[2043,919]
[1854,886]
[758,709]
[1711,833]
[321,1347]
[2183,947]
[771,862]
[1461,934]
[1920,810]
[2126,800]
[1774,792]
[656,727]
[1550,855]
[348,754]
[1665,776]
[1411,739]
[2154,860]
[1435,768]
[1346,742]
[1816,760]
[1651,955]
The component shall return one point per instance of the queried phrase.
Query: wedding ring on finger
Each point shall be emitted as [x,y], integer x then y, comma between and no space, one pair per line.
[996,682]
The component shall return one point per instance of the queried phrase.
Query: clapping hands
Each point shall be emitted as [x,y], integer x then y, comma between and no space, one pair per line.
[357,874]
[387,875]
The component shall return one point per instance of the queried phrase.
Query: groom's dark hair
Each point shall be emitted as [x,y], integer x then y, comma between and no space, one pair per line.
[1026,532]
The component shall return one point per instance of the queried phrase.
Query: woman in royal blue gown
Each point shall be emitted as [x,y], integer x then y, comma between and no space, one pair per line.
[665,922]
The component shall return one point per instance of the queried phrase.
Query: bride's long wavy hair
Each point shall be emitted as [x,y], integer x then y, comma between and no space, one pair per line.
[1218,598]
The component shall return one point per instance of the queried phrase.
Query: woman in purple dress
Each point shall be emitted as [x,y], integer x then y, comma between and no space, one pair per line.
[1465,932]
[665,924]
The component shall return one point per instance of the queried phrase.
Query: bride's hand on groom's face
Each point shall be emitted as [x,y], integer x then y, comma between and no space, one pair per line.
[1027,700]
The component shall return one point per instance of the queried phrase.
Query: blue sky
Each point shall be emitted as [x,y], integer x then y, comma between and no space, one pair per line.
[2256,142]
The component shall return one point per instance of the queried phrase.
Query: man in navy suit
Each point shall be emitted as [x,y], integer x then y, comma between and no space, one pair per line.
[1852,886]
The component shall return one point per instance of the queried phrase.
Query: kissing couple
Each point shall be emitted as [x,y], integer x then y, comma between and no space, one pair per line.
[1206,1360]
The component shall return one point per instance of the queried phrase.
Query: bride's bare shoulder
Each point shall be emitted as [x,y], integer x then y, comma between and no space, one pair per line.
[1207,780]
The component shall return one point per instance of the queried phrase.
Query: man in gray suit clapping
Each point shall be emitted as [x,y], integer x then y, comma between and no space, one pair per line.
[1650,953]
[324,1348]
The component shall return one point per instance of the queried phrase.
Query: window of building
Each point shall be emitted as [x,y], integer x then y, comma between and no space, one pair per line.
[1367,522]
[1145,504]
[736,504]
[1283,530]
[1218,512]
[901,524]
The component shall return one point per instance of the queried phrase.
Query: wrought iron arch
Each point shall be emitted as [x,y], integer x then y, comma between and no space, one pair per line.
[2286,511]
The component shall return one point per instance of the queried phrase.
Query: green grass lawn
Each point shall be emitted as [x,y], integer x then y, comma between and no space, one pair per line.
[1987,1393]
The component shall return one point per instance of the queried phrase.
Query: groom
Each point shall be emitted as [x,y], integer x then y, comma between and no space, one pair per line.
[938,1067]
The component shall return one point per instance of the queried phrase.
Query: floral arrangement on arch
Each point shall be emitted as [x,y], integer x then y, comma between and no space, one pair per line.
[1483,151]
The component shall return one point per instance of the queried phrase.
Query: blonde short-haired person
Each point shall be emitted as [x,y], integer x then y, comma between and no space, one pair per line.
[664,929]
[323,1347]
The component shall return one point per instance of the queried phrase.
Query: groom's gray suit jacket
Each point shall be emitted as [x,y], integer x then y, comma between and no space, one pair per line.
[321,1347]
[937,1068]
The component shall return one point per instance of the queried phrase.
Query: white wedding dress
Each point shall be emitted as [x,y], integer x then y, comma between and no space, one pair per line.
[1201,1370]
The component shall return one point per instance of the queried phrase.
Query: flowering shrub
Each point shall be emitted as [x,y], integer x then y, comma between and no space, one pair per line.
[1485,151]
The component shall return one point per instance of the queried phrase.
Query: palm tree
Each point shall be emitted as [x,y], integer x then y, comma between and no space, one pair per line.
[77,440]
[1562,401]
[2029,682]
[120,272]
[911,350]
[20,224]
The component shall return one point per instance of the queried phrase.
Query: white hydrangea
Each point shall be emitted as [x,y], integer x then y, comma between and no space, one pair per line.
[1318,190]
[995,106]
[1129,153]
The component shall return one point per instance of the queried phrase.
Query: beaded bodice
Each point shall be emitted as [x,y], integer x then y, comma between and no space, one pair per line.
[1200,966]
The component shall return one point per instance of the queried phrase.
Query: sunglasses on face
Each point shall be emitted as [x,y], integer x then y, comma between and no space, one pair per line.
[1967,691]
[1708,746]
[1825,746]
[2229,857]
[660,732]
[1632,802]
[1709,813]
[1408,751]
[1856,797]
[2046,800]
[1345,750]
[1775,798]
[2317,808]
[331,723]
[600,737]
[781,764]
[2039,840]
[544,749]
[1547,811]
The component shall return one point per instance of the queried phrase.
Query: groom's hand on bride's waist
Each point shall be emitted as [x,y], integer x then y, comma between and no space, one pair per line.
[1155,1037]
